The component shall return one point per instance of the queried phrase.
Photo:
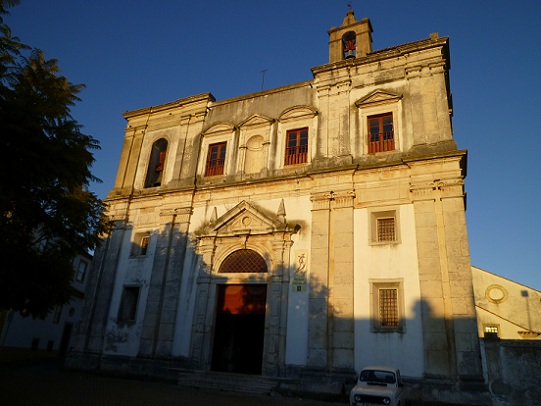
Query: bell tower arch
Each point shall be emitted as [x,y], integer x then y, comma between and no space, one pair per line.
[353,39]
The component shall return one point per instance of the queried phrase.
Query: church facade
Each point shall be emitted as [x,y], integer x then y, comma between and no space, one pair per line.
[307,230]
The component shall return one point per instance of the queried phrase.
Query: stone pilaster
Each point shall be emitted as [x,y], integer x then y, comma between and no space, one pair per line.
[278,294]
[162,303]
[341,281]
[451,193]
[448,312]
[200,352]
[318,344]
[100,290]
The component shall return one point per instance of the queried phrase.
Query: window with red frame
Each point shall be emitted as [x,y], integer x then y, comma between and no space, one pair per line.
[297,147]
[215,159]
[381,133]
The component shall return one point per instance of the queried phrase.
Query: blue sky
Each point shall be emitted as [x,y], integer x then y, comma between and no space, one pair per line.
[138,53]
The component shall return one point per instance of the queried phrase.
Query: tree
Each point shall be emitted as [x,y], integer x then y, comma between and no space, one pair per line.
[47,213]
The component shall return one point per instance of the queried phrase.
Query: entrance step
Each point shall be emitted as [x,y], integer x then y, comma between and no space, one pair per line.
[221,381]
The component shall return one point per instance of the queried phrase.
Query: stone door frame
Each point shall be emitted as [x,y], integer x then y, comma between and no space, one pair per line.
[244,227]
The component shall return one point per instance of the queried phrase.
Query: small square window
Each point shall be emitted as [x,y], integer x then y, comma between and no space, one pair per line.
[128,305]
[384,227]
[140,245]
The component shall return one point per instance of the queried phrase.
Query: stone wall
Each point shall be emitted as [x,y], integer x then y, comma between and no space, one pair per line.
[513,371]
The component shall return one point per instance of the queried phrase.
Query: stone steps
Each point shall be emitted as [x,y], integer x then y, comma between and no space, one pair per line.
[238,383]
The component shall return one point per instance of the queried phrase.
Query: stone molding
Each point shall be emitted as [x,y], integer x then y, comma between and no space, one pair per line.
[343,199]
[182,214]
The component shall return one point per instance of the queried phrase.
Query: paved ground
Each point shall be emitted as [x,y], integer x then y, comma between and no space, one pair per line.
[45,383]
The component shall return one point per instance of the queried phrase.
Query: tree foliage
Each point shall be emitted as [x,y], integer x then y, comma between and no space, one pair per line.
[47,213]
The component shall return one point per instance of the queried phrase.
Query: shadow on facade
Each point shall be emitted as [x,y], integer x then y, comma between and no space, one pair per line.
[191,314]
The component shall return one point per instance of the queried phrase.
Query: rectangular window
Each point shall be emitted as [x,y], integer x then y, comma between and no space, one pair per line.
[381,133]
[215,159]
[140,245]
[297,147]
[492,331]
[128,305]
[81,271]
[143,245]
[387,307]
[384,227]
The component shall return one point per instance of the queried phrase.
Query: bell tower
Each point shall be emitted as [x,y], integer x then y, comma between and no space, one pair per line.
[353,39]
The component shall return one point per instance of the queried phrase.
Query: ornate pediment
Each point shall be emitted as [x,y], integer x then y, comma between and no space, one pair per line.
[244,218]
[378,97]
[222,127]
[256,120]
[297,112]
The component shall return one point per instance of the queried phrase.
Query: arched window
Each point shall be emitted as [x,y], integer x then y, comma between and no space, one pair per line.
[156,163]
[243,261]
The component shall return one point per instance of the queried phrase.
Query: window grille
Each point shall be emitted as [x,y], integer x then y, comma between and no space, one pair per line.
[386,229]
[492,330]
[243,261]
[388,308]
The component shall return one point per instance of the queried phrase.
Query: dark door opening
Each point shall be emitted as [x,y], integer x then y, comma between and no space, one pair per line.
[239,329]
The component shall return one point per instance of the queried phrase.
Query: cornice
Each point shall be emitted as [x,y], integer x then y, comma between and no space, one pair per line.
[202,97]
[388,53]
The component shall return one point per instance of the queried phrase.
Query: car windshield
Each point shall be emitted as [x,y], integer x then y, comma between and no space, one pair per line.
[374,376]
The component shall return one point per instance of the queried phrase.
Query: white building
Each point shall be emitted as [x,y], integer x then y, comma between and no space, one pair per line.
[299,232]
[54,333]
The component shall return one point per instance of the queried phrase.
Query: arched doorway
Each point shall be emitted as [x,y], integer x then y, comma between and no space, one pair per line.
[240,317]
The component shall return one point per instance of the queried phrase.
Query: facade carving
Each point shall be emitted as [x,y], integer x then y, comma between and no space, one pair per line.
[299,232]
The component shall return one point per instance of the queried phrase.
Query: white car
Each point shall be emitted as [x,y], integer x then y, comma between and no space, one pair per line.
[378,385]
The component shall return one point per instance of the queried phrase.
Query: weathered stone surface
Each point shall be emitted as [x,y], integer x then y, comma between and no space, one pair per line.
[315,216]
